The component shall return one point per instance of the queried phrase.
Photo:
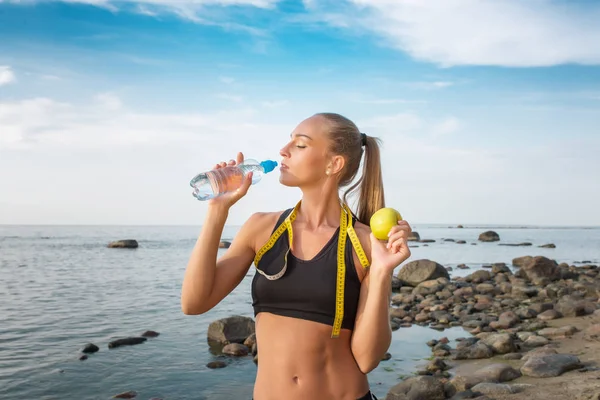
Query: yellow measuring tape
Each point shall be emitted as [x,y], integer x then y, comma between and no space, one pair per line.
[345,229]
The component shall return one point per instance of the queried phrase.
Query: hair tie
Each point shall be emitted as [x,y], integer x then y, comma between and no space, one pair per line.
[363,138]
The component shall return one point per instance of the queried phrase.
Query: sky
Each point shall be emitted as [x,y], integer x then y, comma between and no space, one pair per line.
[488,111]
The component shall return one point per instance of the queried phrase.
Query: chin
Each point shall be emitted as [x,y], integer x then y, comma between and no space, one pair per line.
[288,180]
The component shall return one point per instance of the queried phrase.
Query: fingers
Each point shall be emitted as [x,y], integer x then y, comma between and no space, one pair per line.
[223,164]
[398,236]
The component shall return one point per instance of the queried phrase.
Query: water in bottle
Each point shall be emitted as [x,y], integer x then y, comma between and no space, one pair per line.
[211,184]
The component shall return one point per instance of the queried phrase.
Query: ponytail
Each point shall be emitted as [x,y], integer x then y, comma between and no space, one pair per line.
[347,140]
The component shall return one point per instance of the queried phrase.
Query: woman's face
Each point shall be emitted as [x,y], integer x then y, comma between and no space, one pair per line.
[306,158]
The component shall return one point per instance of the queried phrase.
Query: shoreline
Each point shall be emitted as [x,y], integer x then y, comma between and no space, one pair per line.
[532,334]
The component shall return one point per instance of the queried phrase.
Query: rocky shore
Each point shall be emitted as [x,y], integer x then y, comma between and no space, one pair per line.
[532,331]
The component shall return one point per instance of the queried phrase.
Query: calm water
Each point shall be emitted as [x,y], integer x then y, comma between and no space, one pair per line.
[60,288]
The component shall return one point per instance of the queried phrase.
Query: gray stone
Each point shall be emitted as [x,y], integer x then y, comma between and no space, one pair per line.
[418,388]
[419,271]
[545,366]
[234,329]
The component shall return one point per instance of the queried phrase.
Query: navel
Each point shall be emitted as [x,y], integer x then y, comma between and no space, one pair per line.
[295,379]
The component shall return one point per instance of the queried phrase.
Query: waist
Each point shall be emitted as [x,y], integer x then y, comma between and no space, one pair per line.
[298,359]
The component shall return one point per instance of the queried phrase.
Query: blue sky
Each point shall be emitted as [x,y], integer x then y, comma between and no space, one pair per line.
[489,111]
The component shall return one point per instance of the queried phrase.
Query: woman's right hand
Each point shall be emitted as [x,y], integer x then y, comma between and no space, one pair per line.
[228,199]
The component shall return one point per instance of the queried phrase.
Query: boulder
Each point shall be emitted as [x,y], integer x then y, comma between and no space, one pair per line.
[520,261]
[418,271]
[235,329]
[540,270]
[90,348]
[418,388]
[414,237]
[123,244]
[545,366]
[236,349]
[130,341]
[489,236]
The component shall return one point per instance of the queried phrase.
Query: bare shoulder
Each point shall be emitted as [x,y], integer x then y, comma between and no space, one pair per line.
[363,232]
[259,226]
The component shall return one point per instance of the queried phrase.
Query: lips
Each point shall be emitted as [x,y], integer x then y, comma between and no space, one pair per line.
[284,166]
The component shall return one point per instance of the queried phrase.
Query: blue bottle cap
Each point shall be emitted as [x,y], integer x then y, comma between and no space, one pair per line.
[268,165]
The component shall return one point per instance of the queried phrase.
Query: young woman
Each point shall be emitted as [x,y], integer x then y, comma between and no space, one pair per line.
[321,291]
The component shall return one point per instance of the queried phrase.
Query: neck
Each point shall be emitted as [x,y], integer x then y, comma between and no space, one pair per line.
[320,207]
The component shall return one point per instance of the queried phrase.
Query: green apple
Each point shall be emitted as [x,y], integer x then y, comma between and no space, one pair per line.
[383,221]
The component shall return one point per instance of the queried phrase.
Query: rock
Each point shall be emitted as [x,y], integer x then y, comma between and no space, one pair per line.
[526,313]
[524,292]
[459,226]
[396,284]
[520,261]
[83,357]
[123,244]
[126,395]
[474,352]
[90,348]
[540,269]
[545,366]
[130,341]
[516,244]
[418,388]
[386,356]
[541,307]
[479,276]
[500,268]
[250,341]
[494,389]
[461,242]
[498,373]
[549,315]
[548,246]
[234,329]
[414,237]
[216,364]
[489,236]
[536,341]
[506,320]
[236,349]
[224,244]
[415,272]
[540,351]
[592,333]
[556,333]
[437,364]
[570,307]
[150,334]
[501,343]
[466,394]
[512,356]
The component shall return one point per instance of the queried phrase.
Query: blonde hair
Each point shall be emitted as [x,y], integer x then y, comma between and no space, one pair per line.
[347,141]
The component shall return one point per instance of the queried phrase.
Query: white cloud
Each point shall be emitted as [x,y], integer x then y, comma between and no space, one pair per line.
[446,127]
[226,80]
[7,75]
[231,97]
[109,101]
[31,123]
[472,32]
[193,10]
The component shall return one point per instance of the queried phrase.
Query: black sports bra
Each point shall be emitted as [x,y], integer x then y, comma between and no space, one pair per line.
[307,289]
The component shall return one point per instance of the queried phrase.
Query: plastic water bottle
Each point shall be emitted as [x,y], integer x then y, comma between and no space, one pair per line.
[217,182]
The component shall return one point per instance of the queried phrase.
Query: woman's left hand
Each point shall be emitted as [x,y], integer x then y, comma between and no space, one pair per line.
[387,255]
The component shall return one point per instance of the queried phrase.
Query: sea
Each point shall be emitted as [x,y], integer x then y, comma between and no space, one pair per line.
[61,288]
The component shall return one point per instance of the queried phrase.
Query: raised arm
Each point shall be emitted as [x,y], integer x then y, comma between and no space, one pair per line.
[208,280]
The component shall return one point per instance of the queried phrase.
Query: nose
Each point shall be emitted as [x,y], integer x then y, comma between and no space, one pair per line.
[284,152]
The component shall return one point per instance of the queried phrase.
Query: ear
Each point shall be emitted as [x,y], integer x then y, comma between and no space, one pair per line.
[336,164]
